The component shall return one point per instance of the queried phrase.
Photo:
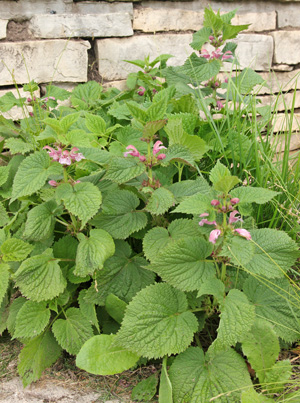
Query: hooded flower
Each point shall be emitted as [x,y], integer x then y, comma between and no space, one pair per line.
[133,151]
[214,235]
[244,233]
[233,218]
[157,147]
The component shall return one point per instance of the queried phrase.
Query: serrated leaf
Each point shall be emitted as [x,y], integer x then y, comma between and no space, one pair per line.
[95,123]
[17,146]
[278,376]
[277,303]
[184,264]
[40,221]
[101,356]
[238,249]
[137,112]
[146,389]
[15,250]
[160,201]
[92,252]
[4,218]
[198,379]
[236,319]
[39,354]
[83,199]
[196,204]
[4,275]
[226,184]
[119,216]
[213,287]
[31,319]
[40,278]
[157,110]
[73,331]
[88,309]
[4,173]
[199,69]
[187,188]
[251,396]
[156,240]
[115,307]
[14,308]
[179,153]
[122,276]
[231,31]
[261,347]
[33,173]
[257,195]
[152,335]
[200,38]
[274,254]
[152,128]
[66,248]
[121,169]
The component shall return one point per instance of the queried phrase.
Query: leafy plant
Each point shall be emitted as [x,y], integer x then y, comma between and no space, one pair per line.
[125,238]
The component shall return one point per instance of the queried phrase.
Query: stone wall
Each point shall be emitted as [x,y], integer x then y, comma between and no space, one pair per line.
[66,41]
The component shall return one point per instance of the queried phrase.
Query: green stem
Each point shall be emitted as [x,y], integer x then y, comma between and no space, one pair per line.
[223,273]
[66,178]
[198,340]
[180,170]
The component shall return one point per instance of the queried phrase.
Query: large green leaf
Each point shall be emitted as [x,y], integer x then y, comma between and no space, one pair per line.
[92,252]
[33,173]
[83,199]
[14,308]
[88,309]
[261,347]
[199,69]
[197,204]
[156,240]
[157,322]
[101,356]
[236,319]
[274,254]
[198,379]
[184,264]
[4,173]
[160,201]
[200,38]
[40,278]
[17,146]
[4,275]
[40,221]
[121,169]
[15,250]
[119,216]
[122,276]
[257,195]
[73,331]
[278,303]
[184,189]
[4,218]
[278,376]
[39,354]
[31,319]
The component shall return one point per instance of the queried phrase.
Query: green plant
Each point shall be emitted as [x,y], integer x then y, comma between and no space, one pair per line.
[103,252]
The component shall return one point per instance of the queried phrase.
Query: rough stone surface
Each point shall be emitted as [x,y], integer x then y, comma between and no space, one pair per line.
[280,82]
[282,123]
[16,112]
[120,85]
[255,51]
[85,25]
[46,61]
[280,140]
[3,25]
[288,17]
[259,21]
[111,52]
[287,45]
[152,20]
[282,102]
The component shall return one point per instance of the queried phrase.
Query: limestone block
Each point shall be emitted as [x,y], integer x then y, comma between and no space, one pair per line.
[3,25]
[282,102]
[259,21]
[280,82]
[46,61]
[111,53]
[120,85]
[282,122]
[280,140]
[152,20]
[289,16]
[84,25]
[99,7]
[255,51]
[16,112]
[287,45]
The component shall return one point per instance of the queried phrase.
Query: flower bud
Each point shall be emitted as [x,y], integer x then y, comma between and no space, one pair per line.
[235,200]
[215,202]
[141,91]
[53,183]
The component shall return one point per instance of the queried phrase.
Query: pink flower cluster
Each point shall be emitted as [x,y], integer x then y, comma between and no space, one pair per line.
[216,54]
[54,184]
[156,149]
[64,157]
[233,218]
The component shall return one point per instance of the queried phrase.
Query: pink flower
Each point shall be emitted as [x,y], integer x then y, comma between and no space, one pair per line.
[76,156]
[226,80]
[53,183]
[204,215]
[214,235]
[142,158]
[216,54]
[31,114]
[215,202]
[234,200]
[65,158]
[141,91]
[205,221]
[134,151]
[227,55]
[219,105]
[204,53]
[157,147]
[161,156]
[211,38]
[233,218]
[244,233]
[54,154]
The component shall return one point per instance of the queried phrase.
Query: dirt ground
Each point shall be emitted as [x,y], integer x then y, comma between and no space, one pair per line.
[47,391]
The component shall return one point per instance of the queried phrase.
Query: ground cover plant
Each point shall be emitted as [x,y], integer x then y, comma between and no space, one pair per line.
[132,231]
